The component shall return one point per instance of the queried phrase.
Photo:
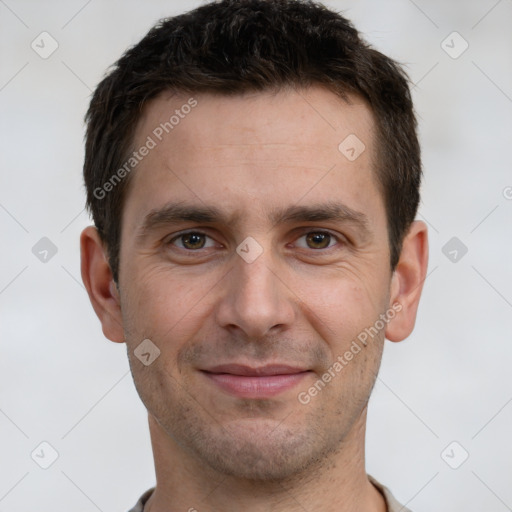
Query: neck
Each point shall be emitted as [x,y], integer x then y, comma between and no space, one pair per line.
[338,483]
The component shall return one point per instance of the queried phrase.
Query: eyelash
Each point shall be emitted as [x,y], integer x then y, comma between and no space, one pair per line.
[338,239]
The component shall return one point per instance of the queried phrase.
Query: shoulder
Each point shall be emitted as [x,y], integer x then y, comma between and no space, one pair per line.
[392,503]
[139,506]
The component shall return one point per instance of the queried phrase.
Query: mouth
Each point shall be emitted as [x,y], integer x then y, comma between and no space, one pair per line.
[255,382]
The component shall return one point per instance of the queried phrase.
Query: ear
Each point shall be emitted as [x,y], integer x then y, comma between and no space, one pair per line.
[100,286]
[407,282]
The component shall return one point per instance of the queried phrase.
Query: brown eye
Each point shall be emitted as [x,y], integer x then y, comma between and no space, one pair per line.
[192,241]
[318,240]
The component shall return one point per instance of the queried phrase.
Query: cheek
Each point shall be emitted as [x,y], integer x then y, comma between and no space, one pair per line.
[340,307]
[166,305]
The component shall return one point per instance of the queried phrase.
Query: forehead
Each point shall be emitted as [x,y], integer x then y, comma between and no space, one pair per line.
[269,148]
[256,118]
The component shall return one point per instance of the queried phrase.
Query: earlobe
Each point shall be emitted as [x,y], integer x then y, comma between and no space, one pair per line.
[407,281]
[98,281]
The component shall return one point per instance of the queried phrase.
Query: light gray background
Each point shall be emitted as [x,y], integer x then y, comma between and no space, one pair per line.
[62,382]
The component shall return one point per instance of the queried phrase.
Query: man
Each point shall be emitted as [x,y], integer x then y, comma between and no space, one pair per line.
[253,172]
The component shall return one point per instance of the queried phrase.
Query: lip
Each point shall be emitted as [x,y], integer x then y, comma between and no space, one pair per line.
[255,382]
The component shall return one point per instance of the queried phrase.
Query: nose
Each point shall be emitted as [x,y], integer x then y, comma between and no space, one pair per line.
[256,299]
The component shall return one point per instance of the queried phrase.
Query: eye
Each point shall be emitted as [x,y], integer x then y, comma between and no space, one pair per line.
[317,240]
[193,240]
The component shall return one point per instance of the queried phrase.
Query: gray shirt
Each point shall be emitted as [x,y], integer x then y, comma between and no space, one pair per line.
[393,505]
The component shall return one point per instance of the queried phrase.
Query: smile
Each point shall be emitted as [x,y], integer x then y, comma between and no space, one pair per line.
[259,382]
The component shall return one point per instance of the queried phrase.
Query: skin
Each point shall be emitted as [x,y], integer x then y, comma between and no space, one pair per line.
[301,302]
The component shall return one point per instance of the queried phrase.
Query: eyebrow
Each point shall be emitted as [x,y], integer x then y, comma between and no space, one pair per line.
[176,212]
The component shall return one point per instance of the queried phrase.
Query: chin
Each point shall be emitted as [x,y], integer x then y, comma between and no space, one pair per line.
[259,452]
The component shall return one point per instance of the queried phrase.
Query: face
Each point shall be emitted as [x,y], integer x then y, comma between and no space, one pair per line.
[253,254]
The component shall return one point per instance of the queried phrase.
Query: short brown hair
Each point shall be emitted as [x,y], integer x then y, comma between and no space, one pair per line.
[234,46]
